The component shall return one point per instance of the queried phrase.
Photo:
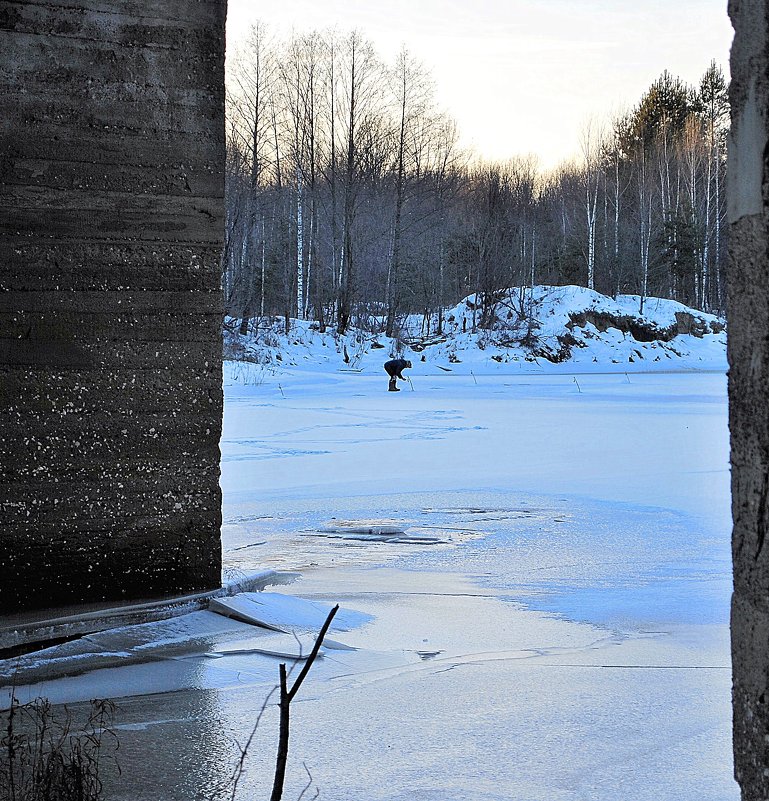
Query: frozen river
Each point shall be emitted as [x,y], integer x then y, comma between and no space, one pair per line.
[548,601]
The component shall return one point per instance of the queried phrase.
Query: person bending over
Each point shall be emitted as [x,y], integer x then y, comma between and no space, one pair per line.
[394,369]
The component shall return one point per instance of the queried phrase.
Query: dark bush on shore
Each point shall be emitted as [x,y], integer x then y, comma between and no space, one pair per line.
[48,755]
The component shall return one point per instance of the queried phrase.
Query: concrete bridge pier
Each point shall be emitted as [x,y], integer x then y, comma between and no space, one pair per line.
[748,293]
[111,225]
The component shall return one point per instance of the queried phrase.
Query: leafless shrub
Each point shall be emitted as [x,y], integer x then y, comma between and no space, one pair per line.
[43,757]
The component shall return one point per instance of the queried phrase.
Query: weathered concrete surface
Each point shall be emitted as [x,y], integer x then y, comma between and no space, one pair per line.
[111,221]
[748,290]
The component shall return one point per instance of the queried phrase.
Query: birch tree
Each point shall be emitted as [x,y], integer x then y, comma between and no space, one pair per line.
[714,97]
[645,185]
[591,142]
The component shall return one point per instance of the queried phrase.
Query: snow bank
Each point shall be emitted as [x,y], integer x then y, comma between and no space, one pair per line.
[544,329]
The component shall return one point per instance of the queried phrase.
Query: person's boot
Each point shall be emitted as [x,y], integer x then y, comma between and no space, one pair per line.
[392,387]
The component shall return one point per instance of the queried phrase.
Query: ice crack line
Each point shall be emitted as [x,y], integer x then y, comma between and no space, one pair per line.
[645,667]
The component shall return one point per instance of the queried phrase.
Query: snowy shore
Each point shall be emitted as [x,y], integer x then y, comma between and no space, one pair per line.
[544,330]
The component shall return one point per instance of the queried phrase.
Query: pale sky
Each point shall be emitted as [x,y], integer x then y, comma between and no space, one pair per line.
[523,76]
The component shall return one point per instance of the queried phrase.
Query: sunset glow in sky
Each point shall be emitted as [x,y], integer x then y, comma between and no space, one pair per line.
[522,76]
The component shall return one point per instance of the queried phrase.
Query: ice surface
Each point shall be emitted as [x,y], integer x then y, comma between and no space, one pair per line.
[579,617]
[565,640]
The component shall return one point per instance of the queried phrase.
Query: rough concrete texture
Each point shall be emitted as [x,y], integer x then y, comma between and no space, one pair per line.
[748,291]
[111,225]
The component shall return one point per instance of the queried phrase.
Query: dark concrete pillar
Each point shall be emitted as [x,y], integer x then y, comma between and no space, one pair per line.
[748,292]
[111,225]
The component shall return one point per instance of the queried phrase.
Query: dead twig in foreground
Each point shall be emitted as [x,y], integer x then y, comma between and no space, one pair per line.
[286,697]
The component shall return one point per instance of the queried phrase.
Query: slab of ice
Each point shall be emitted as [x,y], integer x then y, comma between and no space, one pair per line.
[374,537]
[192,633]
[373,531]
[288,646]
[377,531]
[279,612]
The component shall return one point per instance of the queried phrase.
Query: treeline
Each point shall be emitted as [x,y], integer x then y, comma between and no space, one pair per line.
[349,200]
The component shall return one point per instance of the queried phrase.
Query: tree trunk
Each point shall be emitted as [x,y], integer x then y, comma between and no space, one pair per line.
[299,247]
[392,284]
[347,280]
[441,271]
[706,235]
[717,244]
[264,268]
[533,250]
[645,214]
[616,226]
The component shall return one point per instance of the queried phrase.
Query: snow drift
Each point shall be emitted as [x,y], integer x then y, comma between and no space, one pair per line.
[567,328]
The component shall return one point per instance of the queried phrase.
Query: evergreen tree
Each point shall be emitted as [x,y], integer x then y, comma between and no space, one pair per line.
[663,111]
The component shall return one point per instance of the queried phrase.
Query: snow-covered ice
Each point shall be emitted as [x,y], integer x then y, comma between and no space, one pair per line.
[284,613]
[566,638]
[539,556]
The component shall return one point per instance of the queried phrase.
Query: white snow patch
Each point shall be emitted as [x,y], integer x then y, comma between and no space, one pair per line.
[273,610]
[544,329]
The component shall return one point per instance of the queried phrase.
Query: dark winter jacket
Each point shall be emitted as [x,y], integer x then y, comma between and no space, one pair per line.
[394,367]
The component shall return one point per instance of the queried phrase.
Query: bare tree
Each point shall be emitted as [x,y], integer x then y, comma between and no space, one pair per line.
[591,142]
[361,93]
[411,92]
[645,184]
[254,75]
[351,205]
[714,97]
